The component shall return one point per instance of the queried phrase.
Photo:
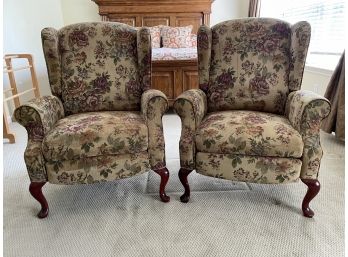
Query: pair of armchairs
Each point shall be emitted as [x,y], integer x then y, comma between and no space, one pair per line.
[249,121]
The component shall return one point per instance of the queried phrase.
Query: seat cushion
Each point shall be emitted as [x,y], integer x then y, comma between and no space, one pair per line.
[248,133]
[96,134]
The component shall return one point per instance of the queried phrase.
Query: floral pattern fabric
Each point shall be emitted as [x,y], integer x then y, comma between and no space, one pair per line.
[96,134]
[35,161]
[248,133]
[155,36]
[39,116]
[174,54]
[49,37]
[300,37]
[86,51]
[249,63]
[191,106]
[97,169]
[154,104]
[254,127]
[176,37]
[254,169]
[102,123]
[306,110]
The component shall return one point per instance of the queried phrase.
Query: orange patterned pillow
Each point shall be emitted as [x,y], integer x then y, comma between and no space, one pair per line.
[193,40]
[176,37]
[155,36]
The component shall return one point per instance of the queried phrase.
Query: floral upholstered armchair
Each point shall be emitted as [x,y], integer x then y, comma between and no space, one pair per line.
[249,121]
[102,122]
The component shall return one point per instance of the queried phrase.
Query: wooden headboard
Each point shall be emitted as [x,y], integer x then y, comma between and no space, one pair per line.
[138,13]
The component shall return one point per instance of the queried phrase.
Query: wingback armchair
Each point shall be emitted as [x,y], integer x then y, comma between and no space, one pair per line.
[249,121]
[102,122]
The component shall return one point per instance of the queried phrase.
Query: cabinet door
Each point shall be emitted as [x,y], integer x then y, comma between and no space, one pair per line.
[190,79]
[164,81]
[150,21]
[129,20]
[193,19]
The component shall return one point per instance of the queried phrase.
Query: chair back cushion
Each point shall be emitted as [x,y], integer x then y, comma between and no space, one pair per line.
[99,68]
[247,66]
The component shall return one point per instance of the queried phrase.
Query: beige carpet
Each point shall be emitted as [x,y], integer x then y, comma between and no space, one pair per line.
[126,218]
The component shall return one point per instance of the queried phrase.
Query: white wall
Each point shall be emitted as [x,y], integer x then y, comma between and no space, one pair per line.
[228,9]
[23,22]
[75,11]
[86,10]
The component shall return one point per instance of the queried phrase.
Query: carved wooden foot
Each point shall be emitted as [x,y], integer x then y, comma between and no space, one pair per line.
[183,173]
[313,190]
[35,191]
[164,173]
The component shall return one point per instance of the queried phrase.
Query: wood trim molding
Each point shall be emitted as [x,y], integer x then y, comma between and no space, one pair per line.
[153,6]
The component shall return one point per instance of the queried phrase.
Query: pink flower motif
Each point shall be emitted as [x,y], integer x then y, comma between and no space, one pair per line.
[202,41]
[314,164]
[79,38]
[92,101]
[35,131]
[101,83]
[76,87]
[269,46]
[259,85]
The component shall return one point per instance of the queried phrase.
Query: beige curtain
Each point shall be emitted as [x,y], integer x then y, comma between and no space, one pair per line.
[254,8]
[335,93]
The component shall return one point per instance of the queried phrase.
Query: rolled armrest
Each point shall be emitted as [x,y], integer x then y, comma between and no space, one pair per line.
[39,115]
[153,105]
[305,111]
[191,106]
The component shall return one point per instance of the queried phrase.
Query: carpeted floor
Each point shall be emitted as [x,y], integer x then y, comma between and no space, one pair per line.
[126,218]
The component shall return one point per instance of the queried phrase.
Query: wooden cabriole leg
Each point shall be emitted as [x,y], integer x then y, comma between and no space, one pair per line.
[183,173]
[164,173]
[313,190]
[35,190]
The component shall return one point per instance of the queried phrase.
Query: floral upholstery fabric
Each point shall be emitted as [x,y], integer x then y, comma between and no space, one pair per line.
[306,110]
[154,104]
[191,106]
[39,116]
[102,122]
[254,169]
[300,37]
[248,65]
[256,125]
[49,38]
[248,133]
[97,169]
[176,37]
[189,53]
[96,134]
[85,53]
[35,161]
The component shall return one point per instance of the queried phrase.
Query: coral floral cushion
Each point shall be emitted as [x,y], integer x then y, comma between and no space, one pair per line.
[193,41]
[155,36]
[176,37]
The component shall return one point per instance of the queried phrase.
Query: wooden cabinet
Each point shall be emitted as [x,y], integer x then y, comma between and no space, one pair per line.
[170,76]
[174,13]
[174,77]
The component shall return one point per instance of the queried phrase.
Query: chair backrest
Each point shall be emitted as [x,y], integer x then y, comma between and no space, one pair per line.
[98,66]
[251,63]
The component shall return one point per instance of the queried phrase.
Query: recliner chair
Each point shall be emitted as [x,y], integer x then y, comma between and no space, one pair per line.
[103,122]
[249,121]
